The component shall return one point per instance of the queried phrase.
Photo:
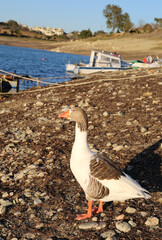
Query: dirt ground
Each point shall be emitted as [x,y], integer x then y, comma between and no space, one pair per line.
[129,46]
[39,196]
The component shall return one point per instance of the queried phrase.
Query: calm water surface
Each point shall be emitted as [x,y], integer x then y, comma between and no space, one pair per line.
[37,63]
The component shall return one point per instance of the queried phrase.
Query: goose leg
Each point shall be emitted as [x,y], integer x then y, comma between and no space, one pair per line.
[100,207]
[86,215]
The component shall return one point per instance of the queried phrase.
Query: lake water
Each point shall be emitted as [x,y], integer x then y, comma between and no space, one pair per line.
[37,64]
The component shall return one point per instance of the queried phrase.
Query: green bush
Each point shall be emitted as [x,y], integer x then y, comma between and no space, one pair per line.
[85,33]
[147,28]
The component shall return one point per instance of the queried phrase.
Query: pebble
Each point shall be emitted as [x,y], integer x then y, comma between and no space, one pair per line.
[37,201]
[43,120]
[91,127]
[152,221]
[108,234]
[123,226]
[117,147]
[19,176]
[2,209]
[130,210]
[88,225]
[133,224]
[4,195]
[92,225]
[143,129]
[39,226]
[105,114]
[128,123]
[2,111]
[39,104]
[143,214]
[121,113]
[147,94]
[6,203]
[100,226]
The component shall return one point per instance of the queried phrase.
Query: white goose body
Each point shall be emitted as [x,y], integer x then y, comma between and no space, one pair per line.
[80,158]
[99,177]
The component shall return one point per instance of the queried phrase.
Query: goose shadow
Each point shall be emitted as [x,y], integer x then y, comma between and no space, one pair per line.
[146,168]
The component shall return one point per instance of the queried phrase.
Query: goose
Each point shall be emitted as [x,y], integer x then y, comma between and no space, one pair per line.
[100,178]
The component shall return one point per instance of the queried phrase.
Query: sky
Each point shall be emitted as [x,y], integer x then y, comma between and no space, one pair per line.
[76,15]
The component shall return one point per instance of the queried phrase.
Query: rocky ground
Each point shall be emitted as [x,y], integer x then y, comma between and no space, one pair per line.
[39,196]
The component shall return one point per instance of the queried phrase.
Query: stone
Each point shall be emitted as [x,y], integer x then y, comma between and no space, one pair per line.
[143,214]
[117,147]
[147,94]
[152,221]
[2,111]
[37,201]
[88,225]
[94,219]
[91,127]
[133,224]
[121,113]
[2,209]
[19,176]
[100,226]
[128,123]
[6,203]
[111,238]
[130,210]
[123,226]
[143,129]
[120,217]
[108,234]
[39,225]
[43,120]
[29,131]
[4,195]
[39,104]
[108,144]
[105,114]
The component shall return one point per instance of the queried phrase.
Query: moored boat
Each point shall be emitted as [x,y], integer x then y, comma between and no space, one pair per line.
[147,62]
[8,83]
[100,61]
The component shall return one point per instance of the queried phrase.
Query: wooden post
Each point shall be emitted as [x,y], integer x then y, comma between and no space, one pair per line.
[0,84]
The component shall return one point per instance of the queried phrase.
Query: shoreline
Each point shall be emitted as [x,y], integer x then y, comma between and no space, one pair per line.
[128,48]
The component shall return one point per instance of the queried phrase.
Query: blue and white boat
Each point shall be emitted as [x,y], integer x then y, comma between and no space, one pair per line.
[100,61]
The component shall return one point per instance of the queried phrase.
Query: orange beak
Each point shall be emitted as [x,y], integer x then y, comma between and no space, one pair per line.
[65,114]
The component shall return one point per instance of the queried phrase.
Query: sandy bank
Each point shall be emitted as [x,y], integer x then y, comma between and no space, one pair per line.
[128,47]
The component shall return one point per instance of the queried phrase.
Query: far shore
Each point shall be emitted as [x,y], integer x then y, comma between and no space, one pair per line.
[128,47]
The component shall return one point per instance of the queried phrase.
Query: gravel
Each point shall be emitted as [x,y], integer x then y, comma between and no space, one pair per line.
[39,196]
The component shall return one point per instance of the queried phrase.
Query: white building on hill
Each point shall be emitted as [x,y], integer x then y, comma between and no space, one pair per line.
[48,31]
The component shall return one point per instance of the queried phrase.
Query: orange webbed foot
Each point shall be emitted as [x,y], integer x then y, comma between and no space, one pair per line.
[83,216]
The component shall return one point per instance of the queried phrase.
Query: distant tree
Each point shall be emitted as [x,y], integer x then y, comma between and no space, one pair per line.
[113,15]
[158,22]
[12,32]
[13,24]
[18,33]
[126,23]
[115,18]
[85,33]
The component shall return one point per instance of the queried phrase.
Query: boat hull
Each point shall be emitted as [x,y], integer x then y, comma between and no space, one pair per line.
[88,70]
[145,65]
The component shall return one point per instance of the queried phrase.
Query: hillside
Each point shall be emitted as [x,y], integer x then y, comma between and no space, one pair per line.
[130,46]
